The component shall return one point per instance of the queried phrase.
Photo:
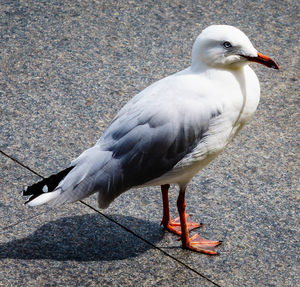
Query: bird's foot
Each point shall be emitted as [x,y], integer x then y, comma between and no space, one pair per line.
[199,244]
[174,226]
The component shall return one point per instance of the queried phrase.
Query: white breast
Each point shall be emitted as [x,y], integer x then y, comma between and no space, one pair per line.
[237,94]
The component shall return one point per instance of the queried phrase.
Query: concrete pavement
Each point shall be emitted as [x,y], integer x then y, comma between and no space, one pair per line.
[66,68]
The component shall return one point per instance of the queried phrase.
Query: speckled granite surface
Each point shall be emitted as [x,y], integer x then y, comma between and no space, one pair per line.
[72,247]
[66,67]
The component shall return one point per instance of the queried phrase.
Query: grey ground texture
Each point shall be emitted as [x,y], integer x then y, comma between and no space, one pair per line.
[66,68]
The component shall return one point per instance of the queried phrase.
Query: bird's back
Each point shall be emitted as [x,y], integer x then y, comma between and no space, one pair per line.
[165,134]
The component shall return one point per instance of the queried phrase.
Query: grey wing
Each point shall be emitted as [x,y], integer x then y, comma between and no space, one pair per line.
[145,144]
[144,141]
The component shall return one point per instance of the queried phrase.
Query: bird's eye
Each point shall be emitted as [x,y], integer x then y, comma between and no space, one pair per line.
[227,45]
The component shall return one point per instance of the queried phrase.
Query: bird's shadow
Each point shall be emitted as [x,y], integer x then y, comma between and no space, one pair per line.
[88,237]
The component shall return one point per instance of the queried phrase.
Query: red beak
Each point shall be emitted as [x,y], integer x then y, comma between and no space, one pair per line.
[264,60]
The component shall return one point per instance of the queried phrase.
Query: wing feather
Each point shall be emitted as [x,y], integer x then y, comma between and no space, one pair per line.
[148,139]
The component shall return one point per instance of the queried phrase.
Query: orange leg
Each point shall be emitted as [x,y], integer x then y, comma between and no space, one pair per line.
[196,242]
[174,225]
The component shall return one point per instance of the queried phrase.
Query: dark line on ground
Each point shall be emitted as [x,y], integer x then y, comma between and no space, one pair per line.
[18,162]
[114,221]
[18,222]
[150,243]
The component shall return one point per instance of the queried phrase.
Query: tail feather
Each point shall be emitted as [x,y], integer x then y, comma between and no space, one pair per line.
[45,186]
[86,175]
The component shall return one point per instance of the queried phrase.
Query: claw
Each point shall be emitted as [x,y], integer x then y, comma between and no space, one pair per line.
[199,244]
[174,226]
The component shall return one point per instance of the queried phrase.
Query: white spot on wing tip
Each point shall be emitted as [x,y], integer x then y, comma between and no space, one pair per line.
[45,188]
[24,190]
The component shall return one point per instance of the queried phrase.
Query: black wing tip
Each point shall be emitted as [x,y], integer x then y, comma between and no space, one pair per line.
[27,190]
[27,201]
[31,192]
[45,185]
[24,191]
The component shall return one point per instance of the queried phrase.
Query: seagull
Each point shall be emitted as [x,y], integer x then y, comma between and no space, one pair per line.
[168,132]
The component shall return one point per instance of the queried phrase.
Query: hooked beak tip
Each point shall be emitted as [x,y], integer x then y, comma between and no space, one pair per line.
[264,60]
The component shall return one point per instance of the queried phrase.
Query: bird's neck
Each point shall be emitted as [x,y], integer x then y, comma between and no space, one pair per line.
[200,67]
[216,72]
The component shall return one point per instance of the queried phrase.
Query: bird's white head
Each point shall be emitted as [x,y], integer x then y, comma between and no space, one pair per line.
[226,47]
